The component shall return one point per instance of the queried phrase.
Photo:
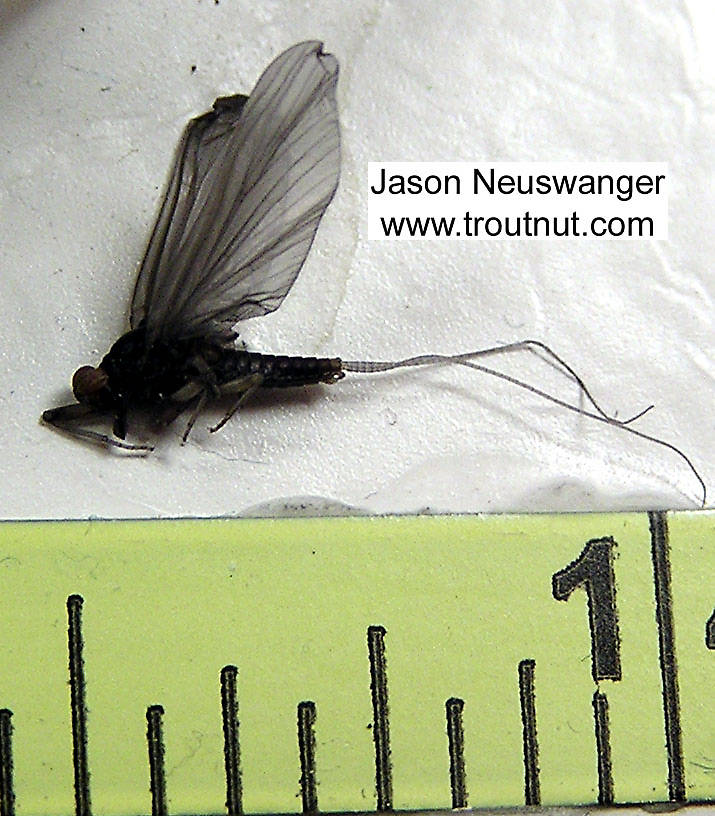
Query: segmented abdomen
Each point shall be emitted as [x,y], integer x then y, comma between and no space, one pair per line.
[278,371]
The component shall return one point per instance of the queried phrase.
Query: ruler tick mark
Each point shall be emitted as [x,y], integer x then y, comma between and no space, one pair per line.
[455,734]
[306,749]
[527,697]
[78,703]
[603,749]
[7,792]
[660,550]
[231,747]
[157,778]
[380,710]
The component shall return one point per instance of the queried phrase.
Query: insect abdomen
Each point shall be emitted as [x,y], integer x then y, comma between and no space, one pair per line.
[279,371]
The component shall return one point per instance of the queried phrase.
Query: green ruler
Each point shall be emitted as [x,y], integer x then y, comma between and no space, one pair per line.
[196,666]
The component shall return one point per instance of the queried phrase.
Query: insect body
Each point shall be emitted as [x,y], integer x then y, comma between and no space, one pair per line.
[249,185]
[186,373]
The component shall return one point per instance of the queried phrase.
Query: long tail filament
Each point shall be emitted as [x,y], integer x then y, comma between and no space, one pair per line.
[536,346]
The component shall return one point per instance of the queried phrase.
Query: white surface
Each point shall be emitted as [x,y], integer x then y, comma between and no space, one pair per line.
[94,96]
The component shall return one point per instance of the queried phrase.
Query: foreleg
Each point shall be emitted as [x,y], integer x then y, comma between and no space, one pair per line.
[64,417]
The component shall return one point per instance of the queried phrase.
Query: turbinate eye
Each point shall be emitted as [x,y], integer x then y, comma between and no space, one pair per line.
[88,382]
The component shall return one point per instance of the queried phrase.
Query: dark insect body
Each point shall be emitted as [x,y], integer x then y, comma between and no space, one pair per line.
[174,377]
[250,183]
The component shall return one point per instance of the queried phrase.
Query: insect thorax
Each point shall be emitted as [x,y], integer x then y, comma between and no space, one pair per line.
[142,373]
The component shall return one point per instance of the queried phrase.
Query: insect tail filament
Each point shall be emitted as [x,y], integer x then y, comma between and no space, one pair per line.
[535,346]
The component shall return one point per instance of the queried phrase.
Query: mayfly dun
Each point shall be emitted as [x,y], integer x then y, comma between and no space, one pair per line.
[250,183]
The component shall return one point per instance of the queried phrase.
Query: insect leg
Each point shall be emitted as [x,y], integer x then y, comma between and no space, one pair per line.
[119,428]
[206,376]
[199,407]
[57,417]
[62,418]
[244,387]
[195,394]
[172,409]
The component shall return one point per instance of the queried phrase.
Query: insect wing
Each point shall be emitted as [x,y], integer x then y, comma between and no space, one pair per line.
[197,151]
[250,184]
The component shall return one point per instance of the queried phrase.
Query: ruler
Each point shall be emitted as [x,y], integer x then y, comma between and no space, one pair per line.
[200,666]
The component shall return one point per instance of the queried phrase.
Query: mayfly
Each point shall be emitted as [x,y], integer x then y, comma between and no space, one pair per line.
[250,183]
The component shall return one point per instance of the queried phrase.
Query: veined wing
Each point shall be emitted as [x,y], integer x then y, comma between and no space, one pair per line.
[197,151]
[250,183]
